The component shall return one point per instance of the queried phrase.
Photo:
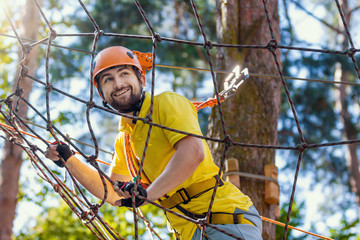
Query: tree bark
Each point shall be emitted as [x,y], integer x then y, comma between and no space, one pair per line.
[350,131]
[251,115]
[12,154]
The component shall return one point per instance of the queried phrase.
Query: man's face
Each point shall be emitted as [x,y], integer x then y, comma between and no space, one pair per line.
[121,88]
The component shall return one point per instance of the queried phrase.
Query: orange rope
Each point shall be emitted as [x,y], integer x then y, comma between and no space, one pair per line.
[198,105]
[26,133]
[208,103]
[283,225]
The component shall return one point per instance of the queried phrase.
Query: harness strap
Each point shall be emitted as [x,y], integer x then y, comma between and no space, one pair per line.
[218,217]
[184,195]
[228,218]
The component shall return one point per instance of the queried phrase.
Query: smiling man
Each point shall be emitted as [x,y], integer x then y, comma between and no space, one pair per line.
[178,170]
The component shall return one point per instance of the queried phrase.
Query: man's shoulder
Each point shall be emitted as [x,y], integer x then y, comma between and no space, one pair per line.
[169,94]
[170,97]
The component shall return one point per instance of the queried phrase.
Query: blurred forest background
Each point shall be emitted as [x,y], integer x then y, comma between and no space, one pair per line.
[327,199]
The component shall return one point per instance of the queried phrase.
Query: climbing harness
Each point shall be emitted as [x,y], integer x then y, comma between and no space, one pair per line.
[184,195]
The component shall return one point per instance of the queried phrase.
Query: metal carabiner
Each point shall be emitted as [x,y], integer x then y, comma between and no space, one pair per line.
[233,81]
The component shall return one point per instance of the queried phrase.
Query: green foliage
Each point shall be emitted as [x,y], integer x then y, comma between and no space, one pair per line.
[56,223]
[65,118]
[123,17]
[344,231]
[316,106]
[61,223]
[296,219]
[69,69]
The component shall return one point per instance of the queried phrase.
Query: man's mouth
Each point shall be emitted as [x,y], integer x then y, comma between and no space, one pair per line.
[123,91]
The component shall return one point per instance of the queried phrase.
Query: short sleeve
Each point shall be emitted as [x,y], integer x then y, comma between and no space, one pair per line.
[179,113]
[118,164]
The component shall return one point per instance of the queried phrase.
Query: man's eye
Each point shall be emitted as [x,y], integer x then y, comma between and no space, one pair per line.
[106,80]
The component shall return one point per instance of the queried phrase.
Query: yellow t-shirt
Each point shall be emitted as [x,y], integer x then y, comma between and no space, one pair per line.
[177,112]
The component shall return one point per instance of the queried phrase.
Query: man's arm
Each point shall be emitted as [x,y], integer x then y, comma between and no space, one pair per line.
[189,154]
[89,177]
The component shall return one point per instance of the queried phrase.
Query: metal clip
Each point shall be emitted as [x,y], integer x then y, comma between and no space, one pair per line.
[233,81]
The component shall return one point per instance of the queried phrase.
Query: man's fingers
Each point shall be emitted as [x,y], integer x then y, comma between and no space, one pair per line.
[124,194]
[127,194]
[51,153]
[118,203]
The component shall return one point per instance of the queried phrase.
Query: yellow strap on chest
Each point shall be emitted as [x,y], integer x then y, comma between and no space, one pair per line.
[184,195]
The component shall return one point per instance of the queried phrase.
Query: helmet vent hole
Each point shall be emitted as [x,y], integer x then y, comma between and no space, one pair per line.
[130,54]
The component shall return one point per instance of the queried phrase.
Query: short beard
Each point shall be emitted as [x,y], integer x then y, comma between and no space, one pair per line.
[129,107]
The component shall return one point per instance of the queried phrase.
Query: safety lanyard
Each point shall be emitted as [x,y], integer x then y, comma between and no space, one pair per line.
[132,160]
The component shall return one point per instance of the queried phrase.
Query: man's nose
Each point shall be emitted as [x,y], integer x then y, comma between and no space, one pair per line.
[118,83]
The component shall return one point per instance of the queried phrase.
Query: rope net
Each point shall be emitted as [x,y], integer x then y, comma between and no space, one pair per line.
[89,212]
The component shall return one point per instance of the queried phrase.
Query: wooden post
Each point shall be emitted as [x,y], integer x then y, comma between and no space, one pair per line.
[271,188]
[232,165]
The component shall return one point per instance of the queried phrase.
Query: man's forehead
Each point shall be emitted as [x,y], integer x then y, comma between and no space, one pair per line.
[118,68]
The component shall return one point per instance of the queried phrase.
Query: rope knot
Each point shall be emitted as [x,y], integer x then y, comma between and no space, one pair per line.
[95,208]
[48,87]
[302,147]
[26,48]
[19,92]
[227,141]
[33,148]
[57,188]
[24,70]
[99,33]
[11,139]
[208,45]
[147,119]
[84,215]
[8,101]
[202,221]
[91,159]
[90,104]
[351,52]
[53,35]
[272,45]
[157,37]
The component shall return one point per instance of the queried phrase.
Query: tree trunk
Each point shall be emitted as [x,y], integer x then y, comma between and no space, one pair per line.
[12,154]
[251,115]
[349,131]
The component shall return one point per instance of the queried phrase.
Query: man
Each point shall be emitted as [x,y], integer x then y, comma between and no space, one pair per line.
[178,169]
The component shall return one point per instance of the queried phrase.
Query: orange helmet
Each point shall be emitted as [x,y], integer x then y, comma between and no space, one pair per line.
[114,56]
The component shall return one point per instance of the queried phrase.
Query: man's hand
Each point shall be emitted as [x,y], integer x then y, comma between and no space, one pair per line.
[55,151]
[125,189]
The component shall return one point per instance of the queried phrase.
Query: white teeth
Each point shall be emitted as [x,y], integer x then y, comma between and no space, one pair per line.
[122,92]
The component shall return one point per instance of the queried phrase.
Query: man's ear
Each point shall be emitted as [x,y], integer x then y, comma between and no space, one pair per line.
[142,80]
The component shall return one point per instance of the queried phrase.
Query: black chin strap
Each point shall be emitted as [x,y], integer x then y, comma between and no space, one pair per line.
[107,106]
[138,107]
